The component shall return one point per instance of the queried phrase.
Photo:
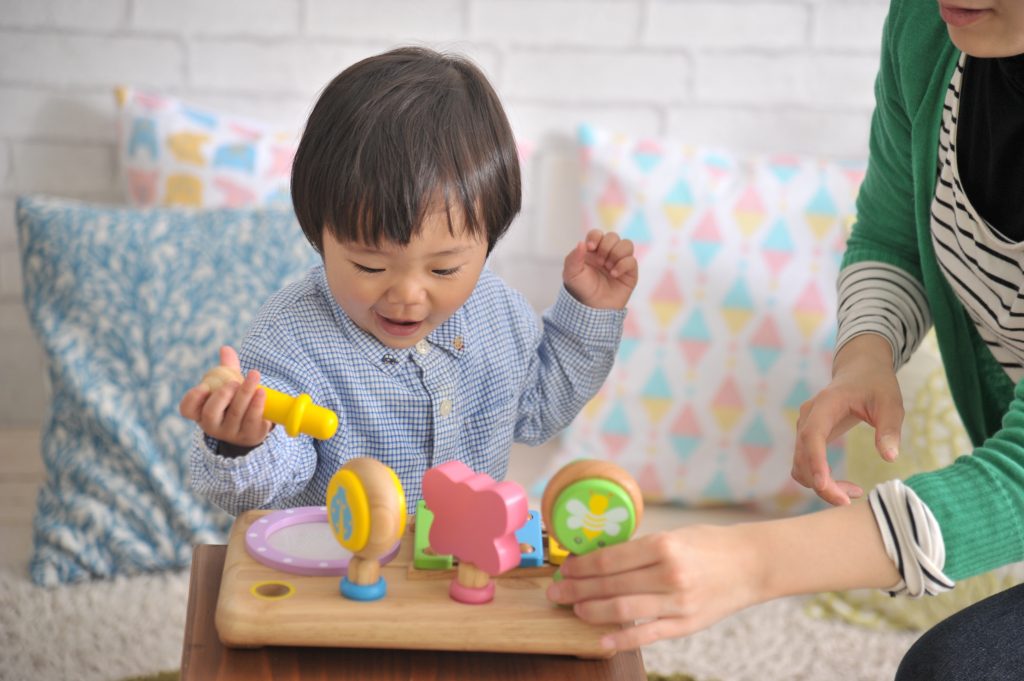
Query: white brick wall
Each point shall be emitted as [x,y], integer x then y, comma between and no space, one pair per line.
[754,75]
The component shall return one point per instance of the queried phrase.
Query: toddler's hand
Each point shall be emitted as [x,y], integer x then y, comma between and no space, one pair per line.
[231,410]
[863,388]
[601,271]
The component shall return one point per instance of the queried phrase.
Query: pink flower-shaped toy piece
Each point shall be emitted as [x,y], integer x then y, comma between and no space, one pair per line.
[475,518]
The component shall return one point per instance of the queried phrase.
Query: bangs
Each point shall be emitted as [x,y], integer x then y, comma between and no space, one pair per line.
[383,150]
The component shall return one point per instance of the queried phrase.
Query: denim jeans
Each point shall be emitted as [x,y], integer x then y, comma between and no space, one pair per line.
[981,642]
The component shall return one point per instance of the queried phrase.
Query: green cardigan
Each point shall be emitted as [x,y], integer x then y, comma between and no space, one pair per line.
[979,500]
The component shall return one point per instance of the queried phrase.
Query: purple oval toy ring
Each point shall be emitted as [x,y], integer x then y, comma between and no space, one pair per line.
[257,543]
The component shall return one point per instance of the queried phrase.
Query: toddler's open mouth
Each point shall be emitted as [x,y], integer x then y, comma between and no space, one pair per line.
[398,327]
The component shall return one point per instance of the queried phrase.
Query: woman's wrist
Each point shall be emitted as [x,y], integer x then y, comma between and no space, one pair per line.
[867,348]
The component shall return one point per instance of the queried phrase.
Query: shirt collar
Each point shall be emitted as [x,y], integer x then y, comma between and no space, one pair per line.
[449,336]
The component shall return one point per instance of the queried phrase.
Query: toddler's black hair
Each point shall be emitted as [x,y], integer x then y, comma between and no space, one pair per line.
[397,135]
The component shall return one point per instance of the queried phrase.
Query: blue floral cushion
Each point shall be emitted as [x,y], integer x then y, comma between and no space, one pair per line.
[131,306]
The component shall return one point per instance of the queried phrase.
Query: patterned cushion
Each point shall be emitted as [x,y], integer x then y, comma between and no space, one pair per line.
[933,437]
[130,307]
[732,325]
[175,154]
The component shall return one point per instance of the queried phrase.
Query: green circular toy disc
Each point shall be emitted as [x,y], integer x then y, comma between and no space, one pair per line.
[592,513]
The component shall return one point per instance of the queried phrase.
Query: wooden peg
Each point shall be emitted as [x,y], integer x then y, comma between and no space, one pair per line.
[366,509]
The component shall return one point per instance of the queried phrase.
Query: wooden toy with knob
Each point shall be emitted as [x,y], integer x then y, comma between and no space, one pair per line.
[590,504]
[475,520]
[297,414]
[367,511]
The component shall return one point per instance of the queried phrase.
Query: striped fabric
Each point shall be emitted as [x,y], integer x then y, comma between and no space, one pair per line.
[488,376]
[912,538]
[983,268]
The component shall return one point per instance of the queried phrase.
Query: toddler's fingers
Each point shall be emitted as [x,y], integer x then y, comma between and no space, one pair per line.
[192,402]
[229,358]
[239,405]
[592,239]
[620,250]
[254,426]
[574,262]
[608,242]
[626,270]
[211,418]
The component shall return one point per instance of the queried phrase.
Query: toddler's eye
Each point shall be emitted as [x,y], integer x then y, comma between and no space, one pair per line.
[451,271]
[368,270]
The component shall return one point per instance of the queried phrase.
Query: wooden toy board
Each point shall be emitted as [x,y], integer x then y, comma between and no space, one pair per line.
[417,612]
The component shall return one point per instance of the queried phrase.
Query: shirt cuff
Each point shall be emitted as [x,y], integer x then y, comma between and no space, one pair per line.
[597,326]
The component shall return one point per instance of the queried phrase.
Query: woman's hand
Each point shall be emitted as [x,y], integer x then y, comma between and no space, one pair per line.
[675,583]
[863,388]
[601,271]
[232,410]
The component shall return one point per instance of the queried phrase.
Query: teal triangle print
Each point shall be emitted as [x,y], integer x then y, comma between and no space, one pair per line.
[757,434]
[657,386]
[821,203]
[798,395]
[705,252]
[765,358]
[695,328]
[778,238]
[738,297]
[684,445]
[646,156]
[680,194]
[637,229]
[626,348]
[617,422]
[718,489]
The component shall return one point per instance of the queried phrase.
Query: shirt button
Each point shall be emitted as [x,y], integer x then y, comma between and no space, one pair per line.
[446,407]
[423,347]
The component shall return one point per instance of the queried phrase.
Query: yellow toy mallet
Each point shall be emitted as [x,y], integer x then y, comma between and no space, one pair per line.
[297,414]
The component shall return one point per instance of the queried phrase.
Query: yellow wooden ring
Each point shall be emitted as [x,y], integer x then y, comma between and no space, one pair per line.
[403,513]
[348,510]
[293,419]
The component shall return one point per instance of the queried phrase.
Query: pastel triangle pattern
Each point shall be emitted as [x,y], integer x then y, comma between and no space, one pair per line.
[732,324]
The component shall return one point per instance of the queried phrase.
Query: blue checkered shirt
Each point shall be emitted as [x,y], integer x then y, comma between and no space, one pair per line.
[486,377]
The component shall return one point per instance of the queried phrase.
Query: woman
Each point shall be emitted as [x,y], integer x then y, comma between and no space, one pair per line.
[939,241]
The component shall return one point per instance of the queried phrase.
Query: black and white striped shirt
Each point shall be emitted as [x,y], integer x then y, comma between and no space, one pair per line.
[984,269]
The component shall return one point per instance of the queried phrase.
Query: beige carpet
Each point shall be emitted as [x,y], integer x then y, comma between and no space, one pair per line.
[134,627]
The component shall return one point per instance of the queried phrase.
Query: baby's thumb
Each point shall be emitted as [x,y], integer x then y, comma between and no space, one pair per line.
[574,262]
[229,358]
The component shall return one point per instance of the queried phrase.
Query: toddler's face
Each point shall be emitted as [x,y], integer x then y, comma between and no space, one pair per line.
[985,28]
[402,293]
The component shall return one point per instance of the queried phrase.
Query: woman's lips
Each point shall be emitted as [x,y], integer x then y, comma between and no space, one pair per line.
[959,17]
[398,327]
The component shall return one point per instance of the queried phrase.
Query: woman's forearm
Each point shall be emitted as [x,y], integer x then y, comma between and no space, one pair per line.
[836,549]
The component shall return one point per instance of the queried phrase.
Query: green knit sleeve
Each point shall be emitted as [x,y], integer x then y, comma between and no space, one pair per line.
[885,228]
[978,501]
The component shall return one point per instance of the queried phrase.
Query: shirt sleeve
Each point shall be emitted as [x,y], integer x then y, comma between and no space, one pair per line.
[875,297]
[282,466]
[978,501]
[574,353]
[885,230]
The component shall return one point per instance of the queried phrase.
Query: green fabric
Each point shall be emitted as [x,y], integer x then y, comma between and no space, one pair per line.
[978,500]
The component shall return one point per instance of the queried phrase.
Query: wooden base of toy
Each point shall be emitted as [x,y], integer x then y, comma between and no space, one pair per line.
[259,605]
[205,658]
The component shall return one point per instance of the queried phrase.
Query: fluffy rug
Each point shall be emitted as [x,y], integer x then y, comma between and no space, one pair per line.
[129,627]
